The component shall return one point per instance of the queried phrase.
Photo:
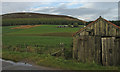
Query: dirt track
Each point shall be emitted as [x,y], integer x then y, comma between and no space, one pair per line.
[9,65]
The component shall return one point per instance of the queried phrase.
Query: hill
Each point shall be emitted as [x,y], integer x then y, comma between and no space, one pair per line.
[25,18]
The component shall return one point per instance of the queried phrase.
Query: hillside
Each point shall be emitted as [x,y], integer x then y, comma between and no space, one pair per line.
[36,18]
[35,15]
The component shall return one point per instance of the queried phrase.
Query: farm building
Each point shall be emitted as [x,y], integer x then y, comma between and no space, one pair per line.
[98,42]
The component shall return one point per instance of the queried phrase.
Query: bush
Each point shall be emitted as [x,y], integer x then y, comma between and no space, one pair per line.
[68,53]
[69,25]
[75,25]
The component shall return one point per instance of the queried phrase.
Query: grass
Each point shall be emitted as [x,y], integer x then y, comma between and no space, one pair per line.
[43,29]
[43,41]
[7,29]
[55,62]
[46,43]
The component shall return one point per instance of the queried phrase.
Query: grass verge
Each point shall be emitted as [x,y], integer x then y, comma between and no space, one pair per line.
[55,62]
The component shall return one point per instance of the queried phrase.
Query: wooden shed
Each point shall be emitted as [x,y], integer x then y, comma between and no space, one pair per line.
[98,42]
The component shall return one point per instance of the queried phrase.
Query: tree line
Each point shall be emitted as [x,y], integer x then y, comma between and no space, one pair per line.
[37,21]
[114,22]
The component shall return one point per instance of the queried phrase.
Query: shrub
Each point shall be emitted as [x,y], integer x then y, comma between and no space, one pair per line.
[75,25]
[69,25]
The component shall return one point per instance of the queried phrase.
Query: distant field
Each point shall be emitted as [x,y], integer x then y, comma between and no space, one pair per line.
[43,30]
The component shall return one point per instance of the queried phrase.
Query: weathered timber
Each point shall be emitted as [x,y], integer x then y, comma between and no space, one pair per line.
[98,42]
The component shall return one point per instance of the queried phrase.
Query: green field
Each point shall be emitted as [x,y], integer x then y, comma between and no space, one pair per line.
[41,44]
[44,35]
[41,30]
[42,41]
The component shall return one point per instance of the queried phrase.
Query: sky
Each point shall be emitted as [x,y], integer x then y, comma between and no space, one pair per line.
[87,11]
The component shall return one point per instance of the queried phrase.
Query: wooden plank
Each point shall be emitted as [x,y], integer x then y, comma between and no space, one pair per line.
[103,51]
[107,30]
[108,53]
[114,50]
[80,48]
[101,28]
[106,63]
[93,49]
[88,49]
[108,47]
[97,50]
[95,29]
[75,41]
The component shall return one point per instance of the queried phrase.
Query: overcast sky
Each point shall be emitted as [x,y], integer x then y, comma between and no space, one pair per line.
[82,10]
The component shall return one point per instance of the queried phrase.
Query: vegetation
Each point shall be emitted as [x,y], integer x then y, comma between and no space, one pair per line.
[44,39]
[114,22]
[37,44]
[55,62]
[75,25]
[42,30]
[38,21]
[69,25]
[34,18]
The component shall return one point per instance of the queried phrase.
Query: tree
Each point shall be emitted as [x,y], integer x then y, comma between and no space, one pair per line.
[69,25]
[75,25]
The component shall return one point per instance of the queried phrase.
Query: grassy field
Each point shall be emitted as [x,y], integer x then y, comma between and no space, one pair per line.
[42,41]
[44,30]
[41,44]
[46,36]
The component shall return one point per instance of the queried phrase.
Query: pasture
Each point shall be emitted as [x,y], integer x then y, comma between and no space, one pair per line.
[40,30]
[42,41]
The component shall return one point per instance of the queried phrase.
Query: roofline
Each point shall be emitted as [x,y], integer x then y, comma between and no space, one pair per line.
[85,27]
[93,22]
[112,23]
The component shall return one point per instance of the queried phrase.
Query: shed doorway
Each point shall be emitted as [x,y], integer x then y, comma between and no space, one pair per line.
[107,53]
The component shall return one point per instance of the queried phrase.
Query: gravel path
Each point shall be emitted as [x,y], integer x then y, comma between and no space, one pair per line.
[10,65]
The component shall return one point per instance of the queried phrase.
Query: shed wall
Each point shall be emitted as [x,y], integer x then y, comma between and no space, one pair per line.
[93,43]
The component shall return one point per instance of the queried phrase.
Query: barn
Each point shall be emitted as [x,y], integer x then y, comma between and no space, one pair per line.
[98,42]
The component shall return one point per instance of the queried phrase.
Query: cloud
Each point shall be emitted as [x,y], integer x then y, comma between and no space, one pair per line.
[82,10]
[9,7]
[0,8]
[88,11]
[59,0]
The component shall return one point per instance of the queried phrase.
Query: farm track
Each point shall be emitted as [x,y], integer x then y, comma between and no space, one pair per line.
[10,65]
